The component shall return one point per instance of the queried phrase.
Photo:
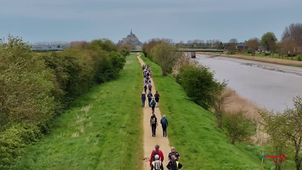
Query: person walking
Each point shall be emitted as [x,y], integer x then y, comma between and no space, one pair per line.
[153,124]
[153,104]
[157,164]
[149,98]
[164,125]
[155,152]
[143,98]
[145,88]
[174,164]
[157,96]
[150,87]
[173,153]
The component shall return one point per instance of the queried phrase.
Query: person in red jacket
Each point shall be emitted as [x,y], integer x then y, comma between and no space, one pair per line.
[156,152]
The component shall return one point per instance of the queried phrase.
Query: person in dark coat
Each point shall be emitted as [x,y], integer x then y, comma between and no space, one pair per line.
[174,164]
[153,124]
[143,98]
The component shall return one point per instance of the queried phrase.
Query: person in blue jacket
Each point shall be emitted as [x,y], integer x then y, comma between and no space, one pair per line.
[164,125]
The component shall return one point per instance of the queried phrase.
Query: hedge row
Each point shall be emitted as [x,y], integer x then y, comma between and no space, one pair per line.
[36,88]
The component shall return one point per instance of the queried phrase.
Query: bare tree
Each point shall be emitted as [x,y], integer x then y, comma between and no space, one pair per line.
[293,32]
[253,45]
[289,47]
[221,101]
[232,44]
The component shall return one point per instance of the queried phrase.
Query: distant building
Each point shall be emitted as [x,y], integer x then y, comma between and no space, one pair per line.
[131,39]
[241,46]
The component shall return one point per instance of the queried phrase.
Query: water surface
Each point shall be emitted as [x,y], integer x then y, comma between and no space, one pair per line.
[268,85]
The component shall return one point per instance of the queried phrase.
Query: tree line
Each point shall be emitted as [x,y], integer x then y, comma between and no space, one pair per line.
[284,129]
[290,44]
[37,88]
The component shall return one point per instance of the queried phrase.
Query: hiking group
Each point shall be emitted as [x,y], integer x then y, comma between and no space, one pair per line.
[153,101]
[157,156]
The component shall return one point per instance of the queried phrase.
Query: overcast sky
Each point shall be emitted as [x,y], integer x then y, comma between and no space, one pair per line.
[67,20]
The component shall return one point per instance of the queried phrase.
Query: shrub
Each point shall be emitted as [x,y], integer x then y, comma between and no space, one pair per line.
[26,85]
[239,127]
[13,141]
[199,84]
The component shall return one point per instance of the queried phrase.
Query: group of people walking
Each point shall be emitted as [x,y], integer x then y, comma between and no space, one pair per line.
[157,156]
[153,101]
[157,159]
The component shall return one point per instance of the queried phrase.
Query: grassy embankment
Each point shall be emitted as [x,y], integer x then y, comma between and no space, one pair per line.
[274,60]
[102,130]
[194,132]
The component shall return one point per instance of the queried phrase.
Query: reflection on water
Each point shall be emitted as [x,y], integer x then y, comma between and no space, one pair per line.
[273,89]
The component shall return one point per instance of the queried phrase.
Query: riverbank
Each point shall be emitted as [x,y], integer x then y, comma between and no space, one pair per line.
[103,132]
[194,132]
[257,58]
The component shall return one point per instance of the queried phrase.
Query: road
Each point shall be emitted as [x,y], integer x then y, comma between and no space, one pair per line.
[268,85]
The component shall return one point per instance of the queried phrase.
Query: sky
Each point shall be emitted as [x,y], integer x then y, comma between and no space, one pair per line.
[180,20]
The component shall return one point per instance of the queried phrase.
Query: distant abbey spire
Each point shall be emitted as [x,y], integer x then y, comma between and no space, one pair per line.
[131,32]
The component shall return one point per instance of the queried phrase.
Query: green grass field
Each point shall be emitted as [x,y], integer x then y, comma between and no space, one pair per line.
[103,131]
[194,133]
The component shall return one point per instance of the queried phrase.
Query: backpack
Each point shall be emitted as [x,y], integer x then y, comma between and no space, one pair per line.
[154,152]
[152,102]
[157,165]
[153,122]
[150,86]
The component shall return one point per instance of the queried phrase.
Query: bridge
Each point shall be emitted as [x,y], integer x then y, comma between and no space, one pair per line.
[190,50]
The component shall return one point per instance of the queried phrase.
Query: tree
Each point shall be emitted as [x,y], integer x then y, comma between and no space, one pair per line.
[125,48]
[289,47]
[293,32]
[165,55]
[253,45]
[183,60]
[147,46]
[221,100]
[238,126]
[180,44]
[218,44]
[232,45]
[277,139]
[268,40]
[287,128]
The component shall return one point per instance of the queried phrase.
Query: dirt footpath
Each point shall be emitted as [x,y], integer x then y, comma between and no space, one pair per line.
[149,141]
